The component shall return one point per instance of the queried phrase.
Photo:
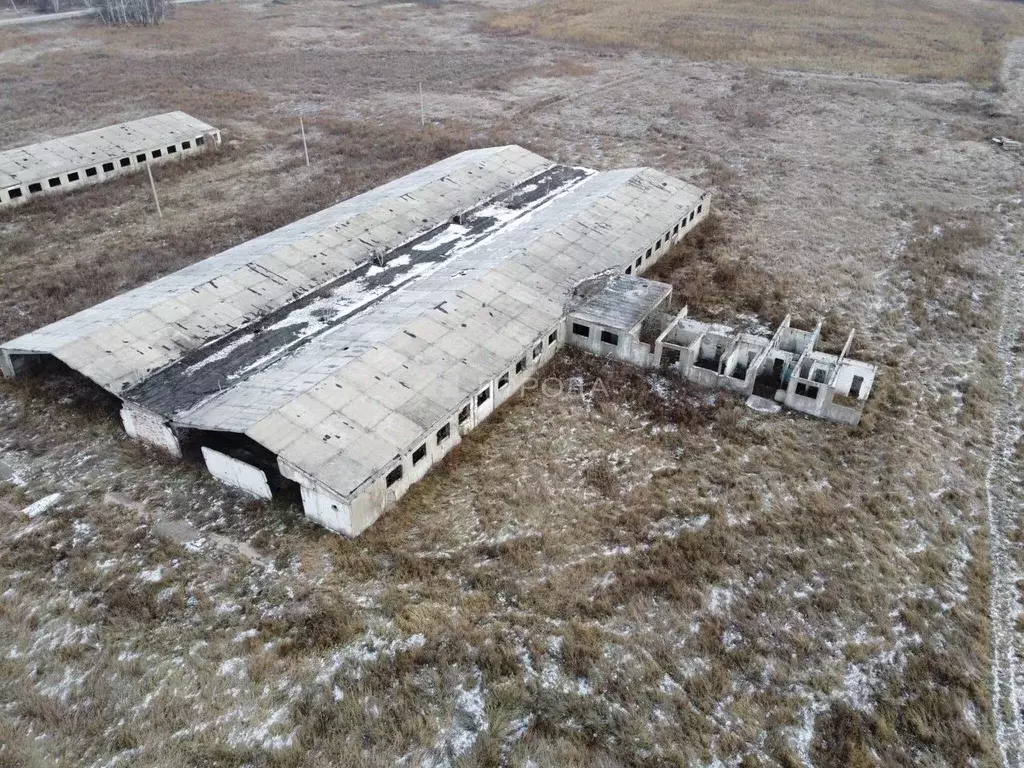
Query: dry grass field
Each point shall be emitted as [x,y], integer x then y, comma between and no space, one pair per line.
[943,39]
[616,570]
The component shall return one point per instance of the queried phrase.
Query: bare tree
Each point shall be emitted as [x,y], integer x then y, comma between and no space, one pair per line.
[128,12]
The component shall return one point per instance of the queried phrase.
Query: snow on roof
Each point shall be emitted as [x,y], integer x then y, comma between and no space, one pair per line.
[338,341]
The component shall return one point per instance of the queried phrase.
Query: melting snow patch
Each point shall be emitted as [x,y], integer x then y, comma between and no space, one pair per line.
[230,666]
[720,600]
[37,508]
[469,720]
[152,575]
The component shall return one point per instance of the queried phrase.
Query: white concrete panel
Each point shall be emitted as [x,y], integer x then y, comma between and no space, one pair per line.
[237,473]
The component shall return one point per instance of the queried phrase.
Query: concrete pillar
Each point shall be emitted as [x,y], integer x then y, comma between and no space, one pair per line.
[142,424]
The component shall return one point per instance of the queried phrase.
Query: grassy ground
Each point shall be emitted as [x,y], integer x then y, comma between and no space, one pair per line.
[615,570]
[930,40]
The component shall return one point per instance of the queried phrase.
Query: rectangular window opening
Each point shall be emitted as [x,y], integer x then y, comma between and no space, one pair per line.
[581,330]
[171,149]
[445,432]
[464,414]
[658,246]
[108,167]
[521,365]
[629,270]
[700,207]
[610,338]
[483,397]
[14,193]
[675,230]
[141,157]
[649,251]
[157,153]
[503,381]
[419,454]
[37,187]
[553,337]
[54,182]
[538,349]
[858,382]
[126,162]
[186,145]
[200,141]
[73,177]
[394,476]
[639,260]
[90,172]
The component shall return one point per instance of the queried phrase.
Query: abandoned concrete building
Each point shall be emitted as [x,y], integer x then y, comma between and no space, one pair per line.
[628,318]
[86,158]
[349,351]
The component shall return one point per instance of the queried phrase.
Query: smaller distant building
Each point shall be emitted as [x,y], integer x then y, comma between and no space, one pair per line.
[86,158]
[627,318]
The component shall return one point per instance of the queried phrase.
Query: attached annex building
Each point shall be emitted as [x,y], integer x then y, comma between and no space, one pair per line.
[67,163]
[629,319]
[351,350]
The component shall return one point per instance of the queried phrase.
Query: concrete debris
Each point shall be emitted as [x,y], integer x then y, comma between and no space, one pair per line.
[37,508]
[1006,143]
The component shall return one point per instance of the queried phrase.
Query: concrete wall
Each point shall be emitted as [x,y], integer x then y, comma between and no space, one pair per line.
[626,347]
[353,515]
[236,473]
[106,170]
[142,424]
[639,262]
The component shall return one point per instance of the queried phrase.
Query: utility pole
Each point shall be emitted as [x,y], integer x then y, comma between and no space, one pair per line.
[152,185]
[305,149]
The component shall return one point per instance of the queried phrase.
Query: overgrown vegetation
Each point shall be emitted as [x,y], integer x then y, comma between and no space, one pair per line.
[636,573]
[943,40]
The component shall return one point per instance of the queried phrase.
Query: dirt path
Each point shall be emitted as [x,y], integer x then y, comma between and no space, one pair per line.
[1003,487]
[1005,505]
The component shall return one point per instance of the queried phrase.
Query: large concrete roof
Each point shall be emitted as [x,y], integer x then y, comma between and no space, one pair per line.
[338,341]
[37,162]
[618,301]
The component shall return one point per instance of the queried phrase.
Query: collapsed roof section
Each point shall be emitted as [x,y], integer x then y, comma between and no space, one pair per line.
[347,342]
[86,158]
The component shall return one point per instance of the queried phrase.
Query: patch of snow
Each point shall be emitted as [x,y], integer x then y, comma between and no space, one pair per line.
[152,575]
[37,508]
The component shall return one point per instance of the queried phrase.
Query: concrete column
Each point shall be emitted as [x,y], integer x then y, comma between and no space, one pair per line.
[142,424]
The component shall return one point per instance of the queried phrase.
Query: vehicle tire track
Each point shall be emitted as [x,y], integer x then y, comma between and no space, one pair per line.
[1005,508]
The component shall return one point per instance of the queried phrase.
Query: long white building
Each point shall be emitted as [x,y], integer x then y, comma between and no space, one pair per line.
[67,163]
[350,351]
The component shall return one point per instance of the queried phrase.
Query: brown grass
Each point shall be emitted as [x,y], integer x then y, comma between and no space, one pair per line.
[941,40]
[681,602]
[710,276]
